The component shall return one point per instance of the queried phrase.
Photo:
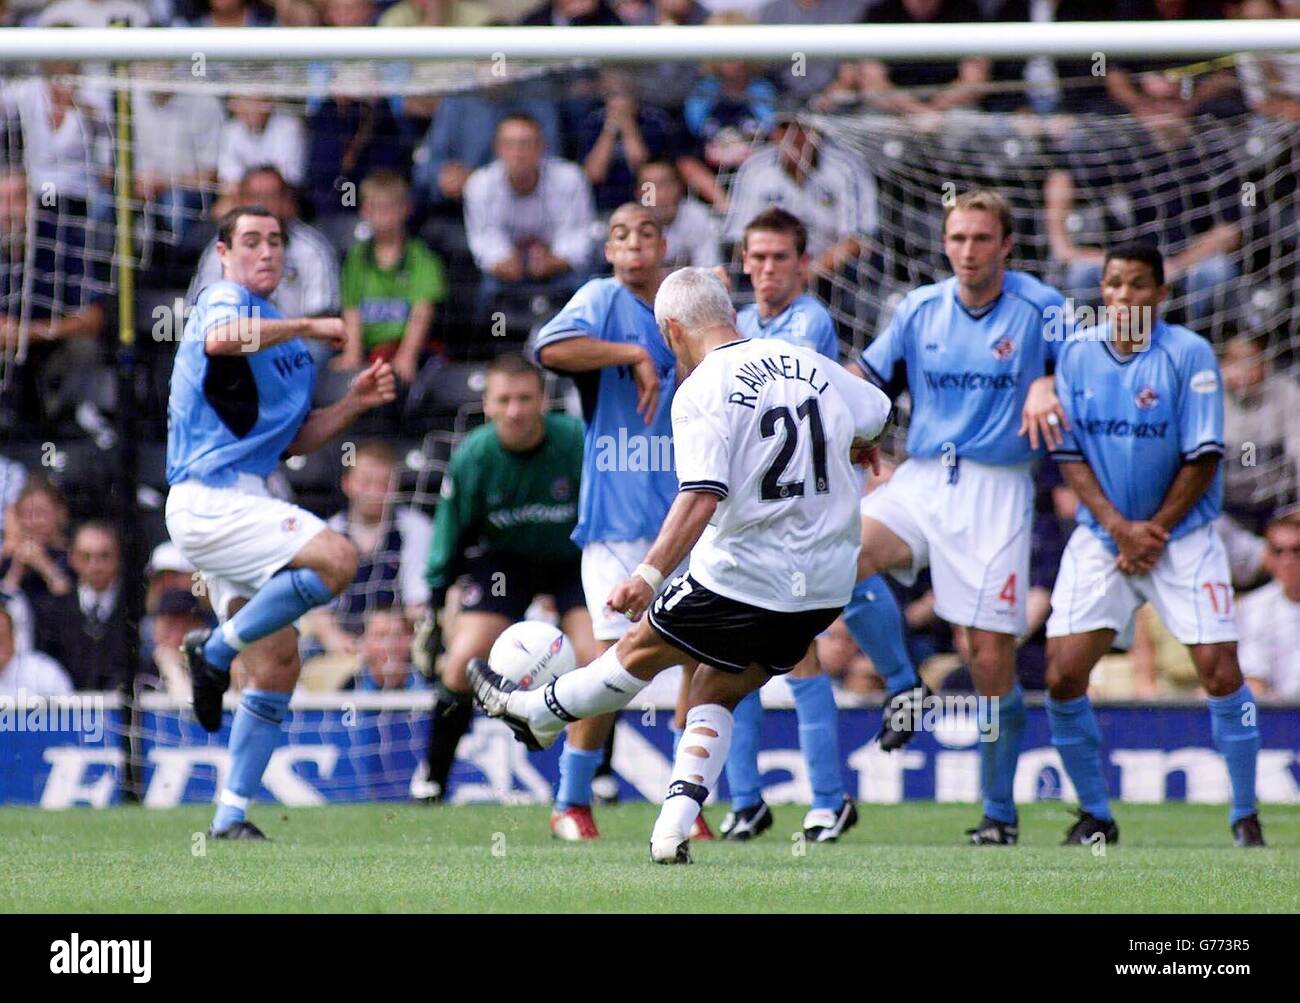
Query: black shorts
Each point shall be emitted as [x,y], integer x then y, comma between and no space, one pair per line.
[507,584]
[731,635]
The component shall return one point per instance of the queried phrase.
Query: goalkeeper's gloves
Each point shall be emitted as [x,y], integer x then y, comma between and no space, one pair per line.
[427,645]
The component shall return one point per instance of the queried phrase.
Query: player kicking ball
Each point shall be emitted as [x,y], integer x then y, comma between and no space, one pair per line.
[774,250]
[240,400]
[766,511]
[1145,400]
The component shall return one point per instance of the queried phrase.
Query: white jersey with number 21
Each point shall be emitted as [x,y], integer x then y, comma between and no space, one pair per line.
[767,427]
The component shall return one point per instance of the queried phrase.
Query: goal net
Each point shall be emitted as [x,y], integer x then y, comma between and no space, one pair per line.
[111,178]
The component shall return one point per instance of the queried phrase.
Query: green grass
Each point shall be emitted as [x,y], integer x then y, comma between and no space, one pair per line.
[405,858]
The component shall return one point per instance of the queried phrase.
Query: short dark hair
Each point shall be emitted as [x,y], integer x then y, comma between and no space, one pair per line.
[776,220]
[519,116]
[666,165]
[100,526]
[1138,250]
[513,364]
[376,449]
[226,228]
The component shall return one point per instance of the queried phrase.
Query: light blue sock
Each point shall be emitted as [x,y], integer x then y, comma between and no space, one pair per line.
[743,779]
[577,767]
[1077,739]
[876,623]
[254,734]
[819,738]
[998,759]
[288,595]
[1238,743]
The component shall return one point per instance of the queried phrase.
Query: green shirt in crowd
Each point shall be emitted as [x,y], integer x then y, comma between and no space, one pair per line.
[385,295]
[519,504]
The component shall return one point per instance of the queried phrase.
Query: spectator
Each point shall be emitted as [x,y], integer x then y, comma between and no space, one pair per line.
[391,283]
[689,228]
[892,87]
[177,140]
[1261,433]
[13,475]
[436,14]
[528,218]
[572,13]
[310,287]
[35,560]
[26,672]
[230,14]
[175,614]
[459,140]
[730,108]
[257,135]
[1269,617]
[86,629]
[167,571]
[49,300]
[93,14]
[818,74]
[1271,83]
[386,654]
[392,542]
[1158,186]
[808,177]
[619,137]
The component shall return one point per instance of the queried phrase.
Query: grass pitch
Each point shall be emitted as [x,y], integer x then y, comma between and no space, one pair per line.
[408,858]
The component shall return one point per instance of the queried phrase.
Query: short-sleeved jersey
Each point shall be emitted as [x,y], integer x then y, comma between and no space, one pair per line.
[968,375]
[233,414]
[767,427]
[804,322]
[628,478]
[385,296]
[1137,419]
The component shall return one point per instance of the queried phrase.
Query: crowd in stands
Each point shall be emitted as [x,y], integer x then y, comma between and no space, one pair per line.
[444,228]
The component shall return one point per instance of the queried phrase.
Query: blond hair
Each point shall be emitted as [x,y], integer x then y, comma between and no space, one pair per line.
[985,200]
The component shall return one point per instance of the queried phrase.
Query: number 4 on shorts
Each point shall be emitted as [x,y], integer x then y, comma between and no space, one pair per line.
[1008,593]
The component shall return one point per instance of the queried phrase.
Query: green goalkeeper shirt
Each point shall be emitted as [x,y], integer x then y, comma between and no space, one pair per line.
[520,504]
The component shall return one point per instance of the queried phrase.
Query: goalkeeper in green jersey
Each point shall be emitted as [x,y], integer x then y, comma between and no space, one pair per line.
[509,505]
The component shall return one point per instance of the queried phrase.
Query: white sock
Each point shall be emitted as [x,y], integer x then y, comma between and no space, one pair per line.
[701,754]
[598,688]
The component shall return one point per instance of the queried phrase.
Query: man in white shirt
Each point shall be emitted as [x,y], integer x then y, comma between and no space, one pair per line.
[528,217]
[1269,618]
[27,672]
[257,134]
[805,175]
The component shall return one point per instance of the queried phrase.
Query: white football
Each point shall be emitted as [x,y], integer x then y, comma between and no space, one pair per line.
[532,653]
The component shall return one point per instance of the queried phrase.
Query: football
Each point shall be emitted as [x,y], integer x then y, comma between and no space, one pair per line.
[532,653]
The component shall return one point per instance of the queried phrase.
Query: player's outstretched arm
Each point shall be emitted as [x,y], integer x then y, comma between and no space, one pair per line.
[690,513]
[239,335]
[375,386]
[1140,543]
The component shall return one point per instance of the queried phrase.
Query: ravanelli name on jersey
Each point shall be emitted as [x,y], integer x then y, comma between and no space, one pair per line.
[754,374]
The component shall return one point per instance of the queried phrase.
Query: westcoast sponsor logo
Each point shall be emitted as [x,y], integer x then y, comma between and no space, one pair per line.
[970,380]
[286,365]
[75,956]
[1122,428]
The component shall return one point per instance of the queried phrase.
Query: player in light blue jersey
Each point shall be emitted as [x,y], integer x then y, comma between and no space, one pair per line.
[774,248]
[1144,454]
[607,340]
[240,400]
[973,352]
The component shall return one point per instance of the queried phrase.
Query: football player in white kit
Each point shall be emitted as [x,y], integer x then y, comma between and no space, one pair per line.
[767,510]
[973,352]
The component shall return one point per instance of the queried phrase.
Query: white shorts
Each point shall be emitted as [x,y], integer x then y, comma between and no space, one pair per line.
[605,565]
[971,529]
[1190,587]
[238,536]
